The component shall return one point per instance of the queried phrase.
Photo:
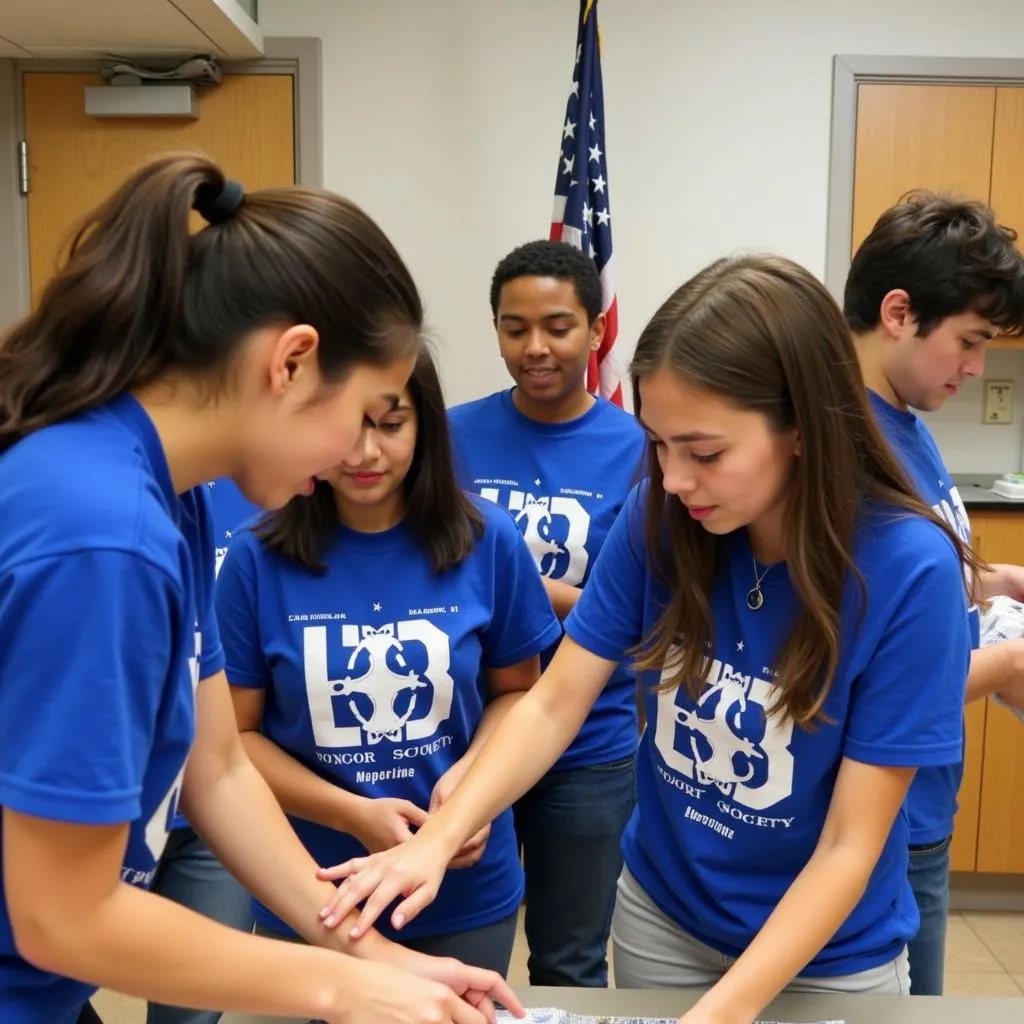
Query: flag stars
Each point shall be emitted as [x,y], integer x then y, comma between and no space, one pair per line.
[592,122]
[568,163]
[598,183]
[602,218]
[588,215]
[569,129]
[576,89]
[595,154]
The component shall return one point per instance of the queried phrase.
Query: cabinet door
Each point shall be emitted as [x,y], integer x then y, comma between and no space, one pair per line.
[1001,826]
[1007,196]
[920,136]
[1001,822]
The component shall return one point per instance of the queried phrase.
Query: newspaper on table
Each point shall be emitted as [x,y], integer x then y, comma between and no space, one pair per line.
[1003,619]
[549,1015]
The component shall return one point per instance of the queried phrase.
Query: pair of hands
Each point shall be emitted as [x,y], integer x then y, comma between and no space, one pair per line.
[388,822]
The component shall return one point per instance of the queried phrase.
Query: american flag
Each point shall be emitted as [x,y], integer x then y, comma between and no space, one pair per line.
[582,210]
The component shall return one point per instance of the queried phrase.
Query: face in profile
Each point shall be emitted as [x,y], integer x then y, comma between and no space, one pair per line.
[727,465]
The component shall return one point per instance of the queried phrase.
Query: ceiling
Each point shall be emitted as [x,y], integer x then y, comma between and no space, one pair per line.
[62,29]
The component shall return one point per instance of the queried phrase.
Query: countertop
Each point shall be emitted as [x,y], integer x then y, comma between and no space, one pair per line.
[851,1009]
[978,496]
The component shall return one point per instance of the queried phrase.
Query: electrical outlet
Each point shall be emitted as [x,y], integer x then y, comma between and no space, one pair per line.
[998,402]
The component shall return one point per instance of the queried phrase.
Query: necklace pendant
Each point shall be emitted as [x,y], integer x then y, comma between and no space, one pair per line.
[754,598]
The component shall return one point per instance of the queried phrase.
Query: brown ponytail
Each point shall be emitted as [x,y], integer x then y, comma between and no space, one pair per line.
[140,295]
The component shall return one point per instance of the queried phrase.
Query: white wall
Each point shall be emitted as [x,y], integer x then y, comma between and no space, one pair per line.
[442,118]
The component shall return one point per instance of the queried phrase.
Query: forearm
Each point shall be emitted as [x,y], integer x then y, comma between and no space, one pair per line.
[146,946]
[494,714]
[994,668]
[820,899]
[277,869]
[562,596]
[532,736]
[300,791]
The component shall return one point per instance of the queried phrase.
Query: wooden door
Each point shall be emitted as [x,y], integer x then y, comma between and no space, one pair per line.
[246,124]
[919,136]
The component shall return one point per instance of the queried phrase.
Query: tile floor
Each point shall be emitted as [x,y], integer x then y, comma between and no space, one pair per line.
[984,957]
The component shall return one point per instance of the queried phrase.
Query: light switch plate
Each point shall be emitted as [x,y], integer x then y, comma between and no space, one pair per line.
[998,408]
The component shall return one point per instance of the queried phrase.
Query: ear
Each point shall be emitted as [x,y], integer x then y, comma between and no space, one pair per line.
[895,316]
[293,360]
[597,329]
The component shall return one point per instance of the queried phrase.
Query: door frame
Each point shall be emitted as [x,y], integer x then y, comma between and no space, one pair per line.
[299,57]
[848,73]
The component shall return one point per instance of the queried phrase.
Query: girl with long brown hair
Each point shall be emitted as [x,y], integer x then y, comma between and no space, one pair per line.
[798,618]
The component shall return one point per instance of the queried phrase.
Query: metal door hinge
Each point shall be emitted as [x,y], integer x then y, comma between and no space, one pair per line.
[23,182]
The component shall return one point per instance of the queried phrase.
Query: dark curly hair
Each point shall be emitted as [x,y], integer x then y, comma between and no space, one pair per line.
[948,254]
[559,260]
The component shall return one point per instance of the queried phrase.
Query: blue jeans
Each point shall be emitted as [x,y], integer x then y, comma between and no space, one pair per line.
[929,878]
[570,827]
[190,875]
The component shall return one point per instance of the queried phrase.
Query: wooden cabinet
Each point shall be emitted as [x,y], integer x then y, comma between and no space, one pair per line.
[989,833]
[964,139]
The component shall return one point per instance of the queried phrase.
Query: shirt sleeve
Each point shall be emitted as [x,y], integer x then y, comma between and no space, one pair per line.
[523,622]
[237,615]
[907,705]
[608,618]
[87,641]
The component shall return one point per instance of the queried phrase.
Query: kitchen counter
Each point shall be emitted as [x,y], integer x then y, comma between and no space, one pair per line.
[978,496]
[848,1008]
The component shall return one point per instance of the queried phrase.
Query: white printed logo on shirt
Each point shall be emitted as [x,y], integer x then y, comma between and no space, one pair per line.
[397,683]
[555,530]
[726,740]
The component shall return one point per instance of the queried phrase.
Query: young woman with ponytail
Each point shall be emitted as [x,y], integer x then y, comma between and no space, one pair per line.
[156,360]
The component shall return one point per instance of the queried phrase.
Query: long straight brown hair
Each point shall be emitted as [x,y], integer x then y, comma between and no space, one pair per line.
[763,333]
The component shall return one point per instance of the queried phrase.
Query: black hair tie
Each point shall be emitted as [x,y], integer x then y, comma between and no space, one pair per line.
[216,206]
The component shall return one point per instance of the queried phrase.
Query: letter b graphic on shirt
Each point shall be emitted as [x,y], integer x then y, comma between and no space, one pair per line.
[727,740]
[555,530]
[397,683]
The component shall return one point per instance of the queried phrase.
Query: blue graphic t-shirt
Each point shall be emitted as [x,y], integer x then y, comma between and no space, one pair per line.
[730,801]
[373,679]
[564,484]
[931,803]
[106,627]
[231,509]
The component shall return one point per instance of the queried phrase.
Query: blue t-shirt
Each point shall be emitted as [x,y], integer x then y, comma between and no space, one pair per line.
[931,803]
[373,680]
[564,484]
[730,802]
[106,627]
[231,509]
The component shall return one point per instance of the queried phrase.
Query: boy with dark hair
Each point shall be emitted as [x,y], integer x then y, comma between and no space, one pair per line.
[933,283]
[562,461]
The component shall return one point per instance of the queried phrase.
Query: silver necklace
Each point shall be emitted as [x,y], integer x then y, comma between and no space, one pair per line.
[755,597]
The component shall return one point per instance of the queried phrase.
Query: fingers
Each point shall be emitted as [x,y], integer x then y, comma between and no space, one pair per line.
[340,871]
[411,906]
[414,815]
[494,987]
[463,1012]
[483,1003]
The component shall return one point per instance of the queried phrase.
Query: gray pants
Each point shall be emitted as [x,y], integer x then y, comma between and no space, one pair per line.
[652,951]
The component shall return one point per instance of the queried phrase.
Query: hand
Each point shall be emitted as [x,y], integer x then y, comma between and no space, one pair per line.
[473,849]
[386,822]
[383,994]
[480,988]
[413,870]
